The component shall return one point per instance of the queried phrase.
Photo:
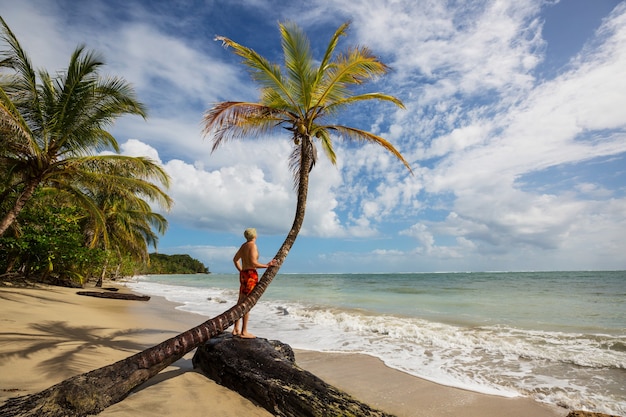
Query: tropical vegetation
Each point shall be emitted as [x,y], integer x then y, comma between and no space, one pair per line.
[302,95]
[174,264]
[66,205]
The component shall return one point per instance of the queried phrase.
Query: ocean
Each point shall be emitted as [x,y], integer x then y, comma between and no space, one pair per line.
[557,337]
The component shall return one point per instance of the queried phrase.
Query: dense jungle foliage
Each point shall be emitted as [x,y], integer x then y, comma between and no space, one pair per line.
[174,264]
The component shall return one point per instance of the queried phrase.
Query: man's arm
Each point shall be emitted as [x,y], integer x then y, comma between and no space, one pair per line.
[236,260]
[255,259]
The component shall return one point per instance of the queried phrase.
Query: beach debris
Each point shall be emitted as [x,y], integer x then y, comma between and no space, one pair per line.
[217,300]
[115,295]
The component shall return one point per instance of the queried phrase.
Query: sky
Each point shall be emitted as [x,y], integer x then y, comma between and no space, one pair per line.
[514,126]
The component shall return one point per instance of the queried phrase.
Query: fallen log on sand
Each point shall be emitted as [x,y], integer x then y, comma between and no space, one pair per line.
[114,295]
[265,372]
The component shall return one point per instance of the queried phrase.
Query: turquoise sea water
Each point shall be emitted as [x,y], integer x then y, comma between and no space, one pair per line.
[558,337]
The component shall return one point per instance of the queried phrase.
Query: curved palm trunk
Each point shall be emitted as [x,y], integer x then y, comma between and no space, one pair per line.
[92,392]
[10,217]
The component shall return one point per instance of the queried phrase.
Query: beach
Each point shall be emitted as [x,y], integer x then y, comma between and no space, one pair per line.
[49,334]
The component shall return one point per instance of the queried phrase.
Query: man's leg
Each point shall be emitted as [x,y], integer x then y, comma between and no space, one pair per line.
[236,331]
[244,328]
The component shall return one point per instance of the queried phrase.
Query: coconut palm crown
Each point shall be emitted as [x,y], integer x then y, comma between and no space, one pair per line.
[302,97]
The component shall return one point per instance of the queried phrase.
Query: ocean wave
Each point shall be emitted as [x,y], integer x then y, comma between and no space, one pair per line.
[596,351]
[496,360]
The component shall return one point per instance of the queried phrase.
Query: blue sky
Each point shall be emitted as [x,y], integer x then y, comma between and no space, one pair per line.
[514,126]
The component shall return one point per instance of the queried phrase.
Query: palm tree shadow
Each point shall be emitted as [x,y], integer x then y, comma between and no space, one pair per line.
[69,342]
[38,294]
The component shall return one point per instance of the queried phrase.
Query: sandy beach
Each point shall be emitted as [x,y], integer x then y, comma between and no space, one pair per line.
[50,333]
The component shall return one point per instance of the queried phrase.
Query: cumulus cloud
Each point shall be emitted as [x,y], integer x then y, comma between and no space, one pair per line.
[136,148]
[466,49]
[251,186]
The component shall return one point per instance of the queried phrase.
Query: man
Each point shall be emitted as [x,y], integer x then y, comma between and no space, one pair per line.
[246,261]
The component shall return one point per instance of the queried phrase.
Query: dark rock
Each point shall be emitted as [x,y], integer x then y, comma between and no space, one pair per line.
[265,372]
[588,414]
[115,295]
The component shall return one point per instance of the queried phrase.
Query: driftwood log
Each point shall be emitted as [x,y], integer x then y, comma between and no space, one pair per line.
[115,295]
[265,372]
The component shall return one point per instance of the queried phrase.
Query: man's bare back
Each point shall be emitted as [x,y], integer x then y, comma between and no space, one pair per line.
[249,256]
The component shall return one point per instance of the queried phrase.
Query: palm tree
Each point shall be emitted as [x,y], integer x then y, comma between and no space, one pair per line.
[51,129]
[130,227]
[300,100]
[300,97]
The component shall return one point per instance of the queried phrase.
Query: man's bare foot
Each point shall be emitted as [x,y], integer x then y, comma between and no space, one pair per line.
[247,335]
[236,332]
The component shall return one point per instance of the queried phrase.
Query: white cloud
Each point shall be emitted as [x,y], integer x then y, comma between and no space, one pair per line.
[166,67]
[553,125]
[593,190]
[488,46]
[136,148]
[228,199]
[51,51]
[420,232]
[216,258]
[251,186]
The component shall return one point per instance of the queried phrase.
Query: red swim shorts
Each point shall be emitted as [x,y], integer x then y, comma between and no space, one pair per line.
[248,279]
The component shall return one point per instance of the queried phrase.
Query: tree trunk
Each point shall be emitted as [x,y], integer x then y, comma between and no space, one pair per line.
[92,392]
[104,271]
[10,217]
[265,372]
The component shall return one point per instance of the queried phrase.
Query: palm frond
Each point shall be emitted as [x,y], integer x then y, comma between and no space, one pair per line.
[15,135]
[267,74]
[298,63]
[330,49]
[236,119]
[346,71]
[122,175]
[86,104]
[338,105]
[355,134]
[16,59]
[327,144]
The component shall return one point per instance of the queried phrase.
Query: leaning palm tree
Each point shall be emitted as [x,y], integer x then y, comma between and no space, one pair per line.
[52,127]
[303,97]
[299,99]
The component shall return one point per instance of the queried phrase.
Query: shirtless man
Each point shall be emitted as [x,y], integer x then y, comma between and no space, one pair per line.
[246,261]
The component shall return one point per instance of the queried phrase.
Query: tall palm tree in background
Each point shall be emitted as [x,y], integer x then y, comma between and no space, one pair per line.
[299,96]
[131,227]
[52,128]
